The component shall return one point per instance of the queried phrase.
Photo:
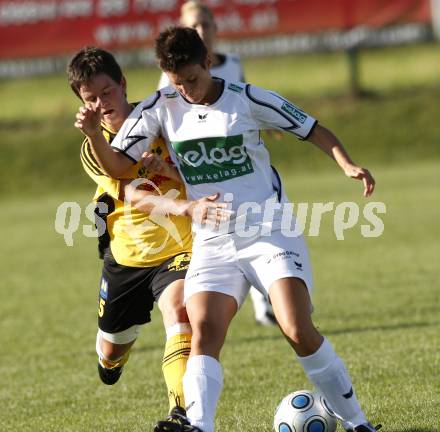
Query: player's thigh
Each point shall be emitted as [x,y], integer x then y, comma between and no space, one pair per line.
[291,302]
[215,288]
[210,315]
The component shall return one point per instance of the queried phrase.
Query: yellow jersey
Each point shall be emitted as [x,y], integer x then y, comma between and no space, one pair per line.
[137,239]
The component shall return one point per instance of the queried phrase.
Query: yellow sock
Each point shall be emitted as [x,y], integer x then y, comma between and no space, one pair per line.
[177,349]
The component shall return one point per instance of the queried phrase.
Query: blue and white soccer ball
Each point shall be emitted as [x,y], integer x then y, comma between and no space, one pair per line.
[304,411]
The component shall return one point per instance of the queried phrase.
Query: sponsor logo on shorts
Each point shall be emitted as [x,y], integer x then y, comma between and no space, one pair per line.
[282,256]
[191,276]
[180,262]
[103,291]
[213,160]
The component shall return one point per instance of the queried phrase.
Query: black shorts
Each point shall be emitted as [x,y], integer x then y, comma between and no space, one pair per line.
[127,294]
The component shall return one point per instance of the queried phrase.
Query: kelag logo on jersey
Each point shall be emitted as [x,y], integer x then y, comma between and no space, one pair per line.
[212,160]
[294,112]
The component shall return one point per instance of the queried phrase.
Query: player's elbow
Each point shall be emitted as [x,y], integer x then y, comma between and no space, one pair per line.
[111,171]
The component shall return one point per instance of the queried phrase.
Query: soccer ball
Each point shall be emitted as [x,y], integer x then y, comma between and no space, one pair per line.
[304,411]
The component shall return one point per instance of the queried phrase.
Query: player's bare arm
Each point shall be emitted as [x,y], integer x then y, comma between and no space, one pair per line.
[88,119]
[329,143]
[203,211]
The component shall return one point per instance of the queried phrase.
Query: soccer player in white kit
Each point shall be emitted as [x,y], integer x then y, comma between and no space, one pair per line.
[212,128]
[227,66]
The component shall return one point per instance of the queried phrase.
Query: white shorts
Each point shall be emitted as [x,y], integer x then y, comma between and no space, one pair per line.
[229,264]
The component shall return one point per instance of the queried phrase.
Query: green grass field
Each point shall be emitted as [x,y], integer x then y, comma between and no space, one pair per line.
[377,299]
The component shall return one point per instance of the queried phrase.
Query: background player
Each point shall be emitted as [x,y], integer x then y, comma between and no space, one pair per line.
[198,16]
[145,256]
[213,129]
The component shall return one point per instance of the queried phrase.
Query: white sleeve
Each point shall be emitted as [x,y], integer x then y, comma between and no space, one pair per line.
[163,81]
[139,130]
[272,111]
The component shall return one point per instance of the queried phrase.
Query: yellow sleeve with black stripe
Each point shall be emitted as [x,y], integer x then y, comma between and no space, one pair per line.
[91,166]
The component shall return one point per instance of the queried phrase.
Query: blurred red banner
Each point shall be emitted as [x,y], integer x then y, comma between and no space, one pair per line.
[43,28]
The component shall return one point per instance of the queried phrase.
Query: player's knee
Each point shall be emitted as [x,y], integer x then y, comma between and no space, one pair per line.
[304,338]
[298,335]
[174,312]
[171,304]
[112,352]
[207,335]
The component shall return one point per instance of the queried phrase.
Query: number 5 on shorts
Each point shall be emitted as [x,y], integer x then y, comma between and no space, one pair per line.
[101,307]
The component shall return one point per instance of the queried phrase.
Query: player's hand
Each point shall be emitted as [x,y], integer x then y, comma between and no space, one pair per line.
[363,174]
[88,119]
[154,163]
[207,211]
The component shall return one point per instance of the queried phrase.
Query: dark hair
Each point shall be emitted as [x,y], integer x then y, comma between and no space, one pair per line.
[179,46]
[89,62]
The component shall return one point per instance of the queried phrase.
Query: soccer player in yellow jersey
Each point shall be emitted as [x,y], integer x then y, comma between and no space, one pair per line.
[146,245]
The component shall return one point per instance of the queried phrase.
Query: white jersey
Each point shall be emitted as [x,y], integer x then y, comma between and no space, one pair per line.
[217,148]
[229,69]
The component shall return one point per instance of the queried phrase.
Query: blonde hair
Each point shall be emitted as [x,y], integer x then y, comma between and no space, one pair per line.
[195,5]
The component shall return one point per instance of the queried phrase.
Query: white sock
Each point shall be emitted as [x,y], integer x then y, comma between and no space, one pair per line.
[260,303]
[202,385]
[327,371]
